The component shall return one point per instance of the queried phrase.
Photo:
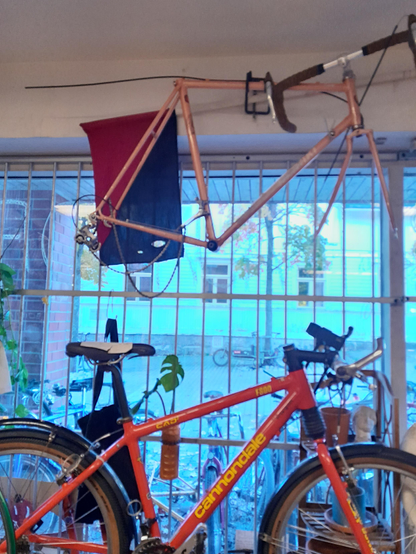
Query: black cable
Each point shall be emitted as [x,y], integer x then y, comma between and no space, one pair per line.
[377,66]
[336,156]
[14,237]
[132,80]
[334,96]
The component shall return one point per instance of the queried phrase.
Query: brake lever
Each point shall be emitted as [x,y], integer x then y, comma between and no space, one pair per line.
[269,92]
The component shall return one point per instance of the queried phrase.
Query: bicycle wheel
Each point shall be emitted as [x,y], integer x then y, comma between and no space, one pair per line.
[6,527]
[29,470]
[221,357]
[301,515]
[214,531]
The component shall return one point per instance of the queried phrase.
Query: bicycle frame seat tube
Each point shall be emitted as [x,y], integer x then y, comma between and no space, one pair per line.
[196,159]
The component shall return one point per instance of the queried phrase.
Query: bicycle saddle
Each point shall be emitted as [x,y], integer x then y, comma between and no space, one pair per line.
[101,352]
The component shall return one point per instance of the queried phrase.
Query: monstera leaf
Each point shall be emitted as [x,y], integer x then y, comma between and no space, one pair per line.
[172,369]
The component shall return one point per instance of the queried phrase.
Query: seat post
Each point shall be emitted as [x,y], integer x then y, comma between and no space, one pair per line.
[119,391]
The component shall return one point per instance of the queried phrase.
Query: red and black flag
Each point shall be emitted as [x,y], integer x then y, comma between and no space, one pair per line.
[154,197]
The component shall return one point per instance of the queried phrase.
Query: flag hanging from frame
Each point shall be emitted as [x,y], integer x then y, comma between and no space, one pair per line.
[154,197]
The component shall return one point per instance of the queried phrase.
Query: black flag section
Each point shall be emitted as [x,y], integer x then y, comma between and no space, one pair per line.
[153,198]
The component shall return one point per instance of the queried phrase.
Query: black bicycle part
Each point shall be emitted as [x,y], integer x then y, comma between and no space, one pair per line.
[411,26]
[295,358]
[325,337]
[279,88]
[97,355]
[212,245]
[254,112]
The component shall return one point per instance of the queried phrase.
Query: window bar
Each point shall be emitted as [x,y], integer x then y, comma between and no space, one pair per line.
[344,244]
[21,307]
[48,282]
[201,394]
[3,208]
[315,226]
[256,466]
[372,254]
[175,349]
[149,341]
[230,342]
[288,186]
[100,268]
[71,317]
[203,323]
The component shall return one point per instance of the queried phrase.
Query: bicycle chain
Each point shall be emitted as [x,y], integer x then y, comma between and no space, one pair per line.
[153,545]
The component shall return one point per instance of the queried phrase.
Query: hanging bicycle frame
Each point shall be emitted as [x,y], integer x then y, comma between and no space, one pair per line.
[353,123]
[180,94]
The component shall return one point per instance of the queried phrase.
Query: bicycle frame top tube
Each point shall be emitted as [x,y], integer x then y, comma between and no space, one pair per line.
[180,94]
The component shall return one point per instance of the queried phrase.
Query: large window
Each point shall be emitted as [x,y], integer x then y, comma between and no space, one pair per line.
[262,275]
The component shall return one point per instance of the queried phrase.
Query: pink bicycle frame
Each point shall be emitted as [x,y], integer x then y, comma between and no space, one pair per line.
[180,94]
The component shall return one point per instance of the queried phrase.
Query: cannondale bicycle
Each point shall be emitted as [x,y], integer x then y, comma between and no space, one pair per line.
[358,497]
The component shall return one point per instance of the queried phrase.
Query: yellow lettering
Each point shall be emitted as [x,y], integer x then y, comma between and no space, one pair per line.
[250,450]
[199,512]
[229,476]
[206,503]
[260,438]
[244,458]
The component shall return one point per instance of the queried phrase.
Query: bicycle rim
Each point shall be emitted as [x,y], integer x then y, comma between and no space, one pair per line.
[307,519]
[28,477]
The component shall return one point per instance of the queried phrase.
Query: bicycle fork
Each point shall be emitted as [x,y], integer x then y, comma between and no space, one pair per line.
[343,497]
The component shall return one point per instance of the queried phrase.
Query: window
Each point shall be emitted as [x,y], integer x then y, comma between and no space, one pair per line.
[305,285]
[216,282]
[143,282]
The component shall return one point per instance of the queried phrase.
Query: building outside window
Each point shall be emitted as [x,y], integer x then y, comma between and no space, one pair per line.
[305,285]
[143,282]
[216,282]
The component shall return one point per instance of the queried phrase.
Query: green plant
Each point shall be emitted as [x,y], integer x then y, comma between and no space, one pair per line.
[172,370]
[17,368]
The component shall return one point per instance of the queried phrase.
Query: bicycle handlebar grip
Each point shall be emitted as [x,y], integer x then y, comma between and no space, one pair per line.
[386,42]
[279,88]
[412,35]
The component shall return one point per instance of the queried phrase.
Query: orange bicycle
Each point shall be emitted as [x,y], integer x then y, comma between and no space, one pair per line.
[359,497]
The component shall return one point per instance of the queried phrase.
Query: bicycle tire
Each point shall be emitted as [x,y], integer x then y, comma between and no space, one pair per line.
[214,531]
[21,450]
[6,526]
[286,527]
[221,357]
[265,482]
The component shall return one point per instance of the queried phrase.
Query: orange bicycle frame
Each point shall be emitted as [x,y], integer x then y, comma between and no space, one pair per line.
[299,397]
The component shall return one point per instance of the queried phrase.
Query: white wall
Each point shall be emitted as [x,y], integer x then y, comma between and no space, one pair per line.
[389,106]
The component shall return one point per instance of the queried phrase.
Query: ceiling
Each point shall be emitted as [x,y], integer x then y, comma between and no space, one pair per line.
[79,30]
[99,30]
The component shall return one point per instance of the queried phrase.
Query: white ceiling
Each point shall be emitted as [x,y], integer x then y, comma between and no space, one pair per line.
[53,30]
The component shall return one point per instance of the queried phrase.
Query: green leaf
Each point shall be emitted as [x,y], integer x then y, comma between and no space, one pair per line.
[11,344]
[173,368]
[4,268]
[21,411]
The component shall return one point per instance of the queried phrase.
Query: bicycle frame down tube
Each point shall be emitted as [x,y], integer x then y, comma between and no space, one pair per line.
[285,178]
[225,482]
